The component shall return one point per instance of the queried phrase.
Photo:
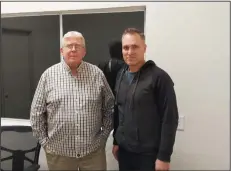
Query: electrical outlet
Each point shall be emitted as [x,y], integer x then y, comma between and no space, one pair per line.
[181,123]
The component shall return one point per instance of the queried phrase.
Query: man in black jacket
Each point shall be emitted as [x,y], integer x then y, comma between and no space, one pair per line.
[146,113]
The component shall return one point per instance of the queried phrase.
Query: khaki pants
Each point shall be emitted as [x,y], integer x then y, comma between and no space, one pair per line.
[93,161]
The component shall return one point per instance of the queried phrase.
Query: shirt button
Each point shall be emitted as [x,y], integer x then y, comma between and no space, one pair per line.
[78,155]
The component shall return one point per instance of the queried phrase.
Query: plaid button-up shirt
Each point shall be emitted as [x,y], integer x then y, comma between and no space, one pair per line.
[72,115]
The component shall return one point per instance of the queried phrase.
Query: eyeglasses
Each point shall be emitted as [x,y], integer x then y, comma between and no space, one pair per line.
[77,46]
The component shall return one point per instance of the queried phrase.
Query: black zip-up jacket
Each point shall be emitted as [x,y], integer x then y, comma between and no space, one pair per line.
[146,113]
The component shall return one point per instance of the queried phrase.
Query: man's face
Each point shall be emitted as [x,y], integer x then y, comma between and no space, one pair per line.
[73,50]
[133,49]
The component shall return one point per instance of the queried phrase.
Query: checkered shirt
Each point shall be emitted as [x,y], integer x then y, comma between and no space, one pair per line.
[72,115]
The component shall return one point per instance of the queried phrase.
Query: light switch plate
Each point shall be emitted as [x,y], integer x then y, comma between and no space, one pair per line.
[181,123]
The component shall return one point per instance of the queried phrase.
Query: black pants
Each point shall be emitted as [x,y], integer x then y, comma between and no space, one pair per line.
[129,161]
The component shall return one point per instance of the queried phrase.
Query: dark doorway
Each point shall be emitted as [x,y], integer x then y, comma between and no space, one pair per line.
[16,62]
[29,46]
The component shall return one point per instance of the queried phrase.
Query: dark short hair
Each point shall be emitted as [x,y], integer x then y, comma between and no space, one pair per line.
[134,31]
[115,49]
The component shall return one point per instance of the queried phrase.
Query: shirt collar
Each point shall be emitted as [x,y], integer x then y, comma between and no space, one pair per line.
[67,68]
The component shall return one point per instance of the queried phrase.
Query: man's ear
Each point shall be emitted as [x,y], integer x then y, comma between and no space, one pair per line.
[145,47]
[61,51]
[84,53]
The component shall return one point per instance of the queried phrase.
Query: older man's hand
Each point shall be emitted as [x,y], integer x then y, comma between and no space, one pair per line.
[115,150]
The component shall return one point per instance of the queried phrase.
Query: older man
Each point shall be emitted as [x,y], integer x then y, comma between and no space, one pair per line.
[71,113]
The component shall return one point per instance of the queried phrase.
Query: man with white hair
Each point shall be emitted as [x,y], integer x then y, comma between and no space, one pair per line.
[72,110]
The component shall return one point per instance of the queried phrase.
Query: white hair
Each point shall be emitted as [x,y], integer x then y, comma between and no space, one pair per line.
[73,34]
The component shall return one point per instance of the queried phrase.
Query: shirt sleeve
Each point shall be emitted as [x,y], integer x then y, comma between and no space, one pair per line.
[167,106]
[38,118]
[107,107]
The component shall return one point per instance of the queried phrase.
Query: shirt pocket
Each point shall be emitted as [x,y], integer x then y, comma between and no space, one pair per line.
[88,102]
